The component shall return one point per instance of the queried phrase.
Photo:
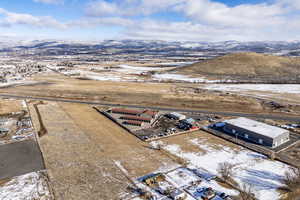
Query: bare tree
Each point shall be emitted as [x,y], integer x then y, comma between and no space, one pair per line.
[226,170]
[272,155]
[247,192]
[291,179]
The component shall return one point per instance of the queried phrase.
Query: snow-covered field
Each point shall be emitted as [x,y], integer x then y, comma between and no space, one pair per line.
[120,73]
[251,168]
[26,187]
[133,73]
[177,77]
[177,64]
[275,88]
[136,70]
[19,82]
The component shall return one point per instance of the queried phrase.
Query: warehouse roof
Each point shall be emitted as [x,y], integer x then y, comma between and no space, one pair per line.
[122,110]
[134,122]
[150,113]
[257,127]
[135,118]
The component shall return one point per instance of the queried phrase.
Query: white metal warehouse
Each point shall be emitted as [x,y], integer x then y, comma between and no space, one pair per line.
[258,132]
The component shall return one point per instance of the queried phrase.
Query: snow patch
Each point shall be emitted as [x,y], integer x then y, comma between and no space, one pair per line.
[177,77]
[29,186]
[276,88]
[252,168]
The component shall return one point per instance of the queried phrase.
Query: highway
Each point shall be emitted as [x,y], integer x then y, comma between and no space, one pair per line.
[193,112]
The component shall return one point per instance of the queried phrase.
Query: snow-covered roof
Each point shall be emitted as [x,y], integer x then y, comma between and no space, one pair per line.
[4,129]
[177,114]
[257,127]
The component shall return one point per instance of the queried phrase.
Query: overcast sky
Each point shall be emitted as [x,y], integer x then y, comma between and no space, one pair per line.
[176,20]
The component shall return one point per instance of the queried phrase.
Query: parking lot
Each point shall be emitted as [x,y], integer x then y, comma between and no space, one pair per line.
[166,126]
[20,158]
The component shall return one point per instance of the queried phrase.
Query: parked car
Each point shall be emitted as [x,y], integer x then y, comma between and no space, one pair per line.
[17,137]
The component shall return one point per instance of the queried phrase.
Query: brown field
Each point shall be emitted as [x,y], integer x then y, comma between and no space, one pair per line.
[149,94]
[8,106]
[82,147]
[292,153]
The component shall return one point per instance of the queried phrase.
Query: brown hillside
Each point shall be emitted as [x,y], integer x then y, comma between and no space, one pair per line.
[246,64]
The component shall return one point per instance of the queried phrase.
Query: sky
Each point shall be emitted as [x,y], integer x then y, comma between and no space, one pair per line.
[173,20]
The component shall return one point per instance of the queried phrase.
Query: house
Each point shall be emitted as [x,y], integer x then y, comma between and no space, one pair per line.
[3,131]
[177,195]
[153,179]
[3,121]
[257,132]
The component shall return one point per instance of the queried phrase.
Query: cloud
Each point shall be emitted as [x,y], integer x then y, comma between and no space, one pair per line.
[49,1]
[127,8]
[291,4]
[201,11]
[218,14]
[200,20]
[11,18]
[102,8]
[203,19]
[191,31]
[94,22]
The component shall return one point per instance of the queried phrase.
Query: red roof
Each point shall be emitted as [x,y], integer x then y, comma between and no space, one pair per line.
[121,110]
[133,122]
[151,113]
[136,118]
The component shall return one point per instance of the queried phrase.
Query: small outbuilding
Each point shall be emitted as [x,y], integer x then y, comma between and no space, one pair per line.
[178,195]
[257,132]
[190,122]
[3,131]
[176,116]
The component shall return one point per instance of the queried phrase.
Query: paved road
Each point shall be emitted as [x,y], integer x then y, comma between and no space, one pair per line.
[20,158]
[191,111]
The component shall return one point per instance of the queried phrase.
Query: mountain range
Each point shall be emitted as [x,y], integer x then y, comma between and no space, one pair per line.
[57,47]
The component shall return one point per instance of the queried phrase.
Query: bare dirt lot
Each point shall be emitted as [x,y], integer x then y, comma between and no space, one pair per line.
[84,150]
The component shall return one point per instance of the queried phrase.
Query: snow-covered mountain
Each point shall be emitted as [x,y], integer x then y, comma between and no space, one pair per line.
[74,47]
